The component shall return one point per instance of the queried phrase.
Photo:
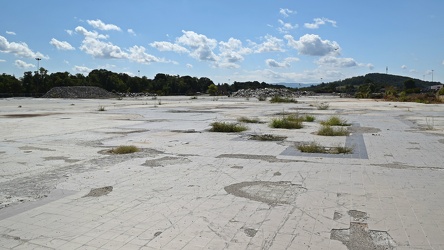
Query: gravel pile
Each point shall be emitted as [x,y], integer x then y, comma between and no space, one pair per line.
[87,92]
[269,93]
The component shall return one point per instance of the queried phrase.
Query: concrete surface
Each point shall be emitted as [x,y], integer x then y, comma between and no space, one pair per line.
[193,189]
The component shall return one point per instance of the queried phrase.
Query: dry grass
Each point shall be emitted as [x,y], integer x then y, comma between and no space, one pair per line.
[124,150]
[227,127]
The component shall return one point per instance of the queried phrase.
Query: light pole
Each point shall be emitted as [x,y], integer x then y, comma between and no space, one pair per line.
[38,63]
[432,74]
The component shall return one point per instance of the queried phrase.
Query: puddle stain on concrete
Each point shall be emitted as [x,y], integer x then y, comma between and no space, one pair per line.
[30,148]
[97,192]
[60,158]
[272,193]
[250,232]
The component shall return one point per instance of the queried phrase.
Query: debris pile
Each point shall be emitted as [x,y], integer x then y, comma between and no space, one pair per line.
[267,92]
[87,92]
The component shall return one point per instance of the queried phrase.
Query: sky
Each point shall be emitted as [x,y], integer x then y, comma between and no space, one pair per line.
[274,41]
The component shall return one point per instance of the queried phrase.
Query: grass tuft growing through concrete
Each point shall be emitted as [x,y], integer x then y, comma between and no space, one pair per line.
[227,127]
[287,122]
[267,137]
[335,121]
[248,120]
[124,150]
[327,130]
[314,147]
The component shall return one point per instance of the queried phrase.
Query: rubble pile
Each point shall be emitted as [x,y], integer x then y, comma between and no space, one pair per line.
[86,92]
[266,92]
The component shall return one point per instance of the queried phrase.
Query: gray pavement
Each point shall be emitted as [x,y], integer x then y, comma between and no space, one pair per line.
[189,188]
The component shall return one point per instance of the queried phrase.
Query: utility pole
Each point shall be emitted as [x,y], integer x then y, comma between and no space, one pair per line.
[432,74]
[38,63]
[386,70]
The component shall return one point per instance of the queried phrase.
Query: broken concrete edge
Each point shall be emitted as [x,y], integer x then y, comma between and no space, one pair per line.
[19,208]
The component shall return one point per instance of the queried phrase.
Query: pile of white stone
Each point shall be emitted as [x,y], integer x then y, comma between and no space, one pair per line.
[267,92]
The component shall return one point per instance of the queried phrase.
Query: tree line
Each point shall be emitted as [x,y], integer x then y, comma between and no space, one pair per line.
[39,82]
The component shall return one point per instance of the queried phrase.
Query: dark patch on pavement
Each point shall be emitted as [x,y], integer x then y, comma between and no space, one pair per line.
[97,192]
[272,193]
[28,115]
[250,232]
[268,158]
[167,160]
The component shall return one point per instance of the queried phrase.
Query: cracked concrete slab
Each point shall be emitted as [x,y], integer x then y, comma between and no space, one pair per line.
[189,188]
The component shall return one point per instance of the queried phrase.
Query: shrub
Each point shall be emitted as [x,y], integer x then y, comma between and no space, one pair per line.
[227,127]
[248,120]
[124,150]
[341,150]
[277,99]
[335,121]
[101,108]
[327,130]
[267,137]
[288,122]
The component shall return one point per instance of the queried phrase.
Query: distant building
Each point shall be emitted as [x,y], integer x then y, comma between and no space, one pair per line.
[436,87]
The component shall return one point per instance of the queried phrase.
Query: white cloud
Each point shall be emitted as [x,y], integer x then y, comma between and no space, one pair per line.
[18,49]
[231,52]
[82,69]
[370,66]
[23,65]
[167,46]
[286,12]
[100,49]
[90,34]
[98,24]
[313,45]
[201,47]
[10,33]
[285,64]
[403,67]
[70,32]
[337,62]
[61,45]
[190,66]
[2,60]
[137,54]
[286,27]
[131,32]
[442,62]
[319,21]
[271,44]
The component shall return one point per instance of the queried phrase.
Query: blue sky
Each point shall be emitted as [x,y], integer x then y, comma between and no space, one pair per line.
[231,40]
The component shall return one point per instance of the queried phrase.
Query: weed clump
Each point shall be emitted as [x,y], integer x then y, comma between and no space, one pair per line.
[309,118]
[288,122]
[248,120]
[227,127]
[101,108]
[279,99]
[314,147]
[311,147]
[124,150]
[335,121]
[327,130]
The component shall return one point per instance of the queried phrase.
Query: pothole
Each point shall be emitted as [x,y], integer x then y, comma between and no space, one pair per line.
[272,193]
[97,192]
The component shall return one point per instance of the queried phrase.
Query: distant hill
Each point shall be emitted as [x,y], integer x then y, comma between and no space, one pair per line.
[378,80]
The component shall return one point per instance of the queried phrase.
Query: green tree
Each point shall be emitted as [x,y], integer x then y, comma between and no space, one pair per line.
[212,89]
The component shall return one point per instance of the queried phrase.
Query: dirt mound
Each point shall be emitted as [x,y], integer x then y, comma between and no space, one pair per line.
[87,92]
